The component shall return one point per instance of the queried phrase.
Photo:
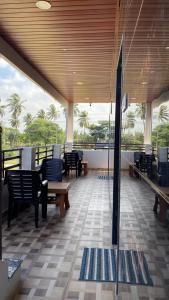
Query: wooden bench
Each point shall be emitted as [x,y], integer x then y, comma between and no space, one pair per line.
[161,193]
[85,166]
[62,189]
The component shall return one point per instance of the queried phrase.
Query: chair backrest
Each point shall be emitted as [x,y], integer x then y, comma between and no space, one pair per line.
[23,185]
[137,155]
[146,161]
[163,168]
[71,159]
[80,153]
[51,169]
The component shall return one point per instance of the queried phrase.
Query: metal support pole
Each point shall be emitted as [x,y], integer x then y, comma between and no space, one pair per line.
[0,193]
[117,165]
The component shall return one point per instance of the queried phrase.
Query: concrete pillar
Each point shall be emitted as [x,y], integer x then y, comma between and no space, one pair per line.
[148,124]
[69,123]
[56,151]
[28,158]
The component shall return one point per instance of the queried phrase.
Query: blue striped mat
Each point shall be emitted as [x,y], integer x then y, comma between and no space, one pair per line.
[100,265]
[105,177]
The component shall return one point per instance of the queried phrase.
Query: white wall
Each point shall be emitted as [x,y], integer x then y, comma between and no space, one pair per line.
[98,159]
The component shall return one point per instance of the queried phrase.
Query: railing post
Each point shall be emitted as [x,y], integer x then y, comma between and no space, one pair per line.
[20,158]
[56,151]
[3,163]
[28,158]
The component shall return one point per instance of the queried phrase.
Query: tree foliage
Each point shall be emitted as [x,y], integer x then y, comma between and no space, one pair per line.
[53,113]
[83,120]
[44,132]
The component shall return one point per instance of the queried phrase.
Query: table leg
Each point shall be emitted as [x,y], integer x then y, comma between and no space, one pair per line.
[85,169]
[62,205]
[155,204]
[163,209]
[67,205]
[130,170]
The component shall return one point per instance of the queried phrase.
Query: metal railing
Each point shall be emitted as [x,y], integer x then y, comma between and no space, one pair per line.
[43,152]
[11,159]
[98,146]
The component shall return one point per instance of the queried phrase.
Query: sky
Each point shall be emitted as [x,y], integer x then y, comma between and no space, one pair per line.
[35,98]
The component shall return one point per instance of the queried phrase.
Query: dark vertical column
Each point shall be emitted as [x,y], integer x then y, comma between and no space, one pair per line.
[0,193]
[109,147]
[117,156]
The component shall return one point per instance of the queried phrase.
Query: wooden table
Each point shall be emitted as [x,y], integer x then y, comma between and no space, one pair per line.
[84,166]
[161,193]
[62,189]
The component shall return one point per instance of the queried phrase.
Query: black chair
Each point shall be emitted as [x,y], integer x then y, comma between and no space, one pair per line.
[80,155]
[52,169]
[72,162]
[145,162]
[24,187]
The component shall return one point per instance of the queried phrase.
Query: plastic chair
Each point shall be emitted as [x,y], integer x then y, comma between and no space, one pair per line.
[72,162]
[25,186]
[52,169]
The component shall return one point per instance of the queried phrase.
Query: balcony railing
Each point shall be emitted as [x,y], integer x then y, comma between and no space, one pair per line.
[43,152]
[11,159]
[98,146]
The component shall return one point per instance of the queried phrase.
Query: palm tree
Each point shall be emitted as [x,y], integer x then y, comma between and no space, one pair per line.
[76,110]
[129,120]
[2,110]
[163,114]
[53,113]
[141,112]
[41,114]
[28,119]
[15,105]
[83,120]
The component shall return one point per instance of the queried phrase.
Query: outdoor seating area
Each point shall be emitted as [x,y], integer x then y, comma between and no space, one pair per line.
[84,150]
[53,252]
[49,184]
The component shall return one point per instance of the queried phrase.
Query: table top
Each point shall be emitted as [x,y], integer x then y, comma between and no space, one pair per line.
[162,191]
[84,162]
[58,187]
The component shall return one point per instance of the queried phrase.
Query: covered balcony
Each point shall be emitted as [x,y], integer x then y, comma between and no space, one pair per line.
[71,50]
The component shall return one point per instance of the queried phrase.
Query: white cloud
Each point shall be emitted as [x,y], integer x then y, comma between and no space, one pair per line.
[14,81]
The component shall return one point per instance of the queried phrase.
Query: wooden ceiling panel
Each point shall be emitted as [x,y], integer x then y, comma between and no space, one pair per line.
[72,44]
[146,56]
[75,45]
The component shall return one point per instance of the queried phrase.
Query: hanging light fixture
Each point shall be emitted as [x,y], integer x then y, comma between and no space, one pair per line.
[43,4]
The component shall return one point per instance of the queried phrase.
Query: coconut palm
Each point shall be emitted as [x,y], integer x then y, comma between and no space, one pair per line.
[76,110]
[28,119]
[52,113]
[129,120]
[41,114]
[83,120]
[2,109]
[15,105]
[163,114]
[141,112]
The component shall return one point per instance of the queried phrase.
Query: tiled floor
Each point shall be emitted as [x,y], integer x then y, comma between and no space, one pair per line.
[52,253]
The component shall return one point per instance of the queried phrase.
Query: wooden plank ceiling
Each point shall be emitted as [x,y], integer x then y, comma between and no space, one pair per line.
[74,45]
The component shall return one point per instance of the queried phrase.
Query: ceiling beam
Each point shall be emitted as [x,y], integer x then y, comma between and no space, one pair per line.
[16,59]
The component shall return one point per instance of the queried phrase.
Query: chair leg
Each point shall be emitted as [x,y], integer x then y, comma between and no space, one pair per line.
[36,214]
[44,201]
[9,213]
